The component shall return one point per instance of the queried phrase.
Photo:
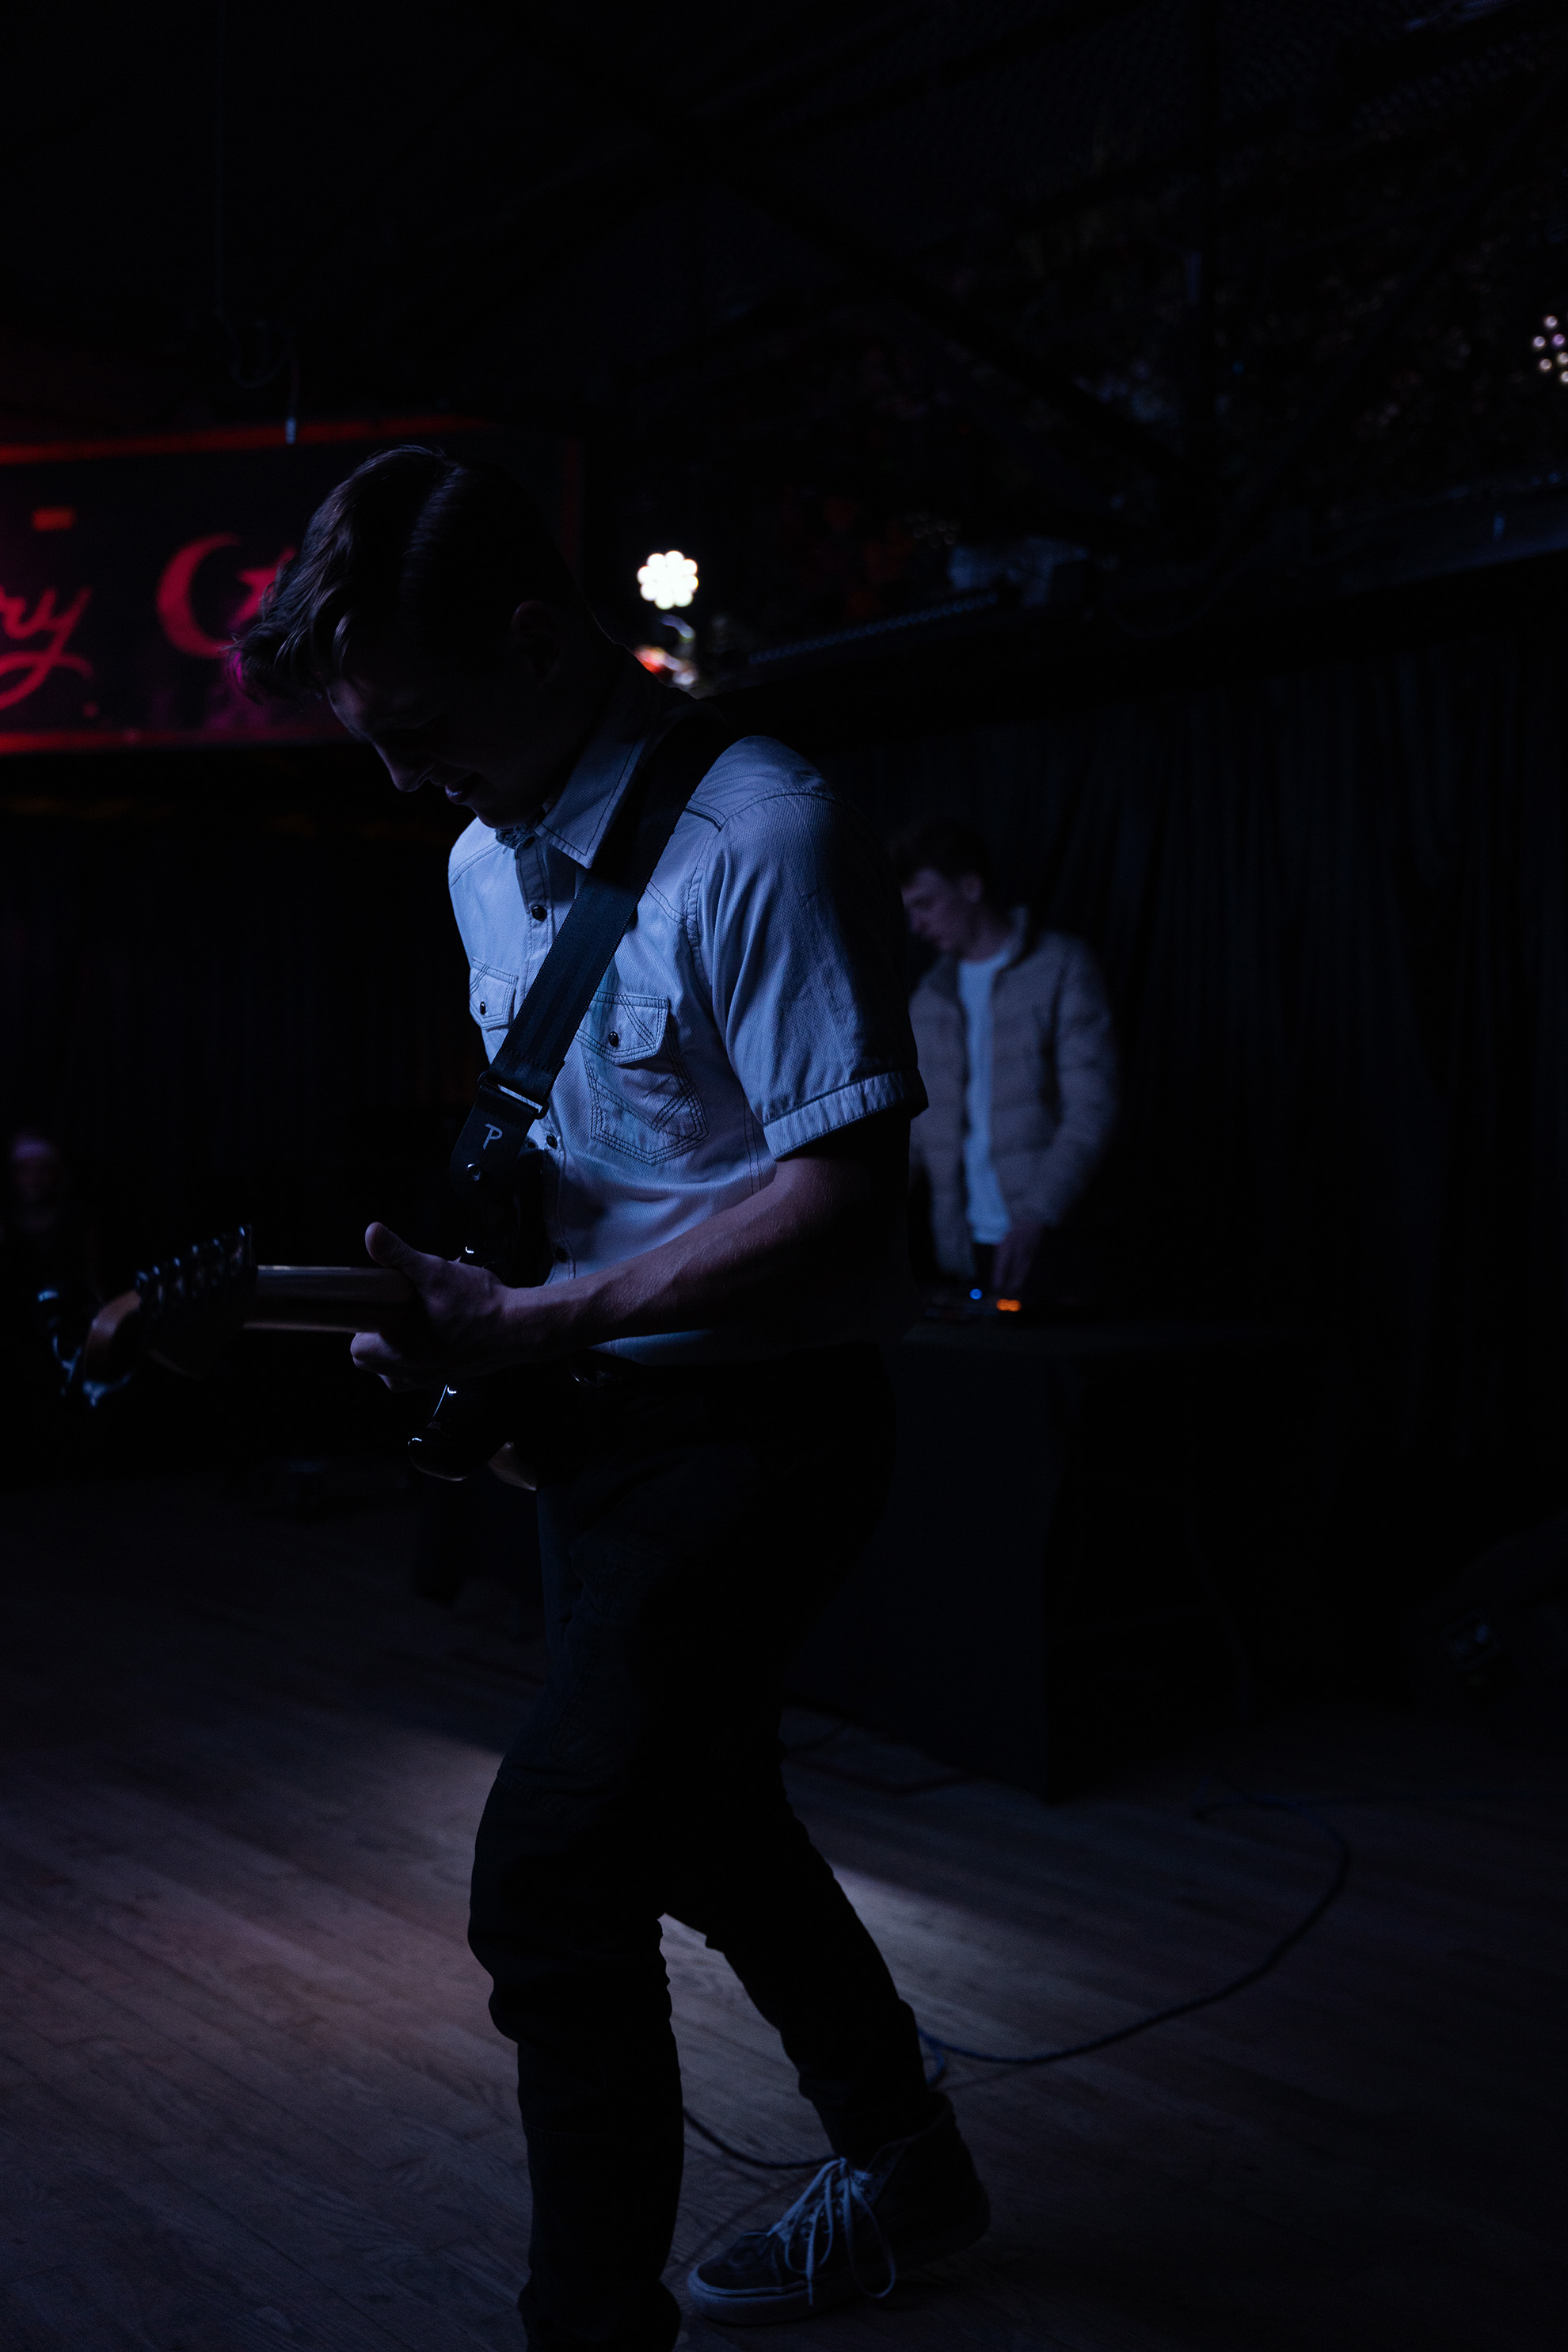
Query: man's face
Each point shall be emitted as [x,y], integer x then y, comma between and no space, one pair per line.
[493,740]
[944,913]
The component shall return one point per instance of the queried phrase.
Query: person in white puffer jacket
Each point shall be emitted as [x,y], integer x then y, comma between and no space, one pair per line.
[1017,1051]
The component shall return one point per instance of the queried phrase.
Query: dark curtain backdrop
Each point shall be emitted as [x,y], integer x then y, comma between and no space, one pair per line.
[1331,903]
[232,990]
[1332,906]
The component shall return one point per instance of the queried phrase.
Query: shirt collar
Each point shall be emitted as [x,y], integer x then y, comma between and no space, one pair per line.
[576,819]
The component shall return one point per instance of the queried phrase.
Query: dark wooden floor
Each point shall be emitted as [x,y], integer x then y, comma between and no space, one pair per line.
[250,2092]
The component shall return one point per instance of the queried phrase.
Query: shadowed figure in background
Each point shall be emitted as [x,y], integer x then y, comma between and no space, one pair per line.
[46,1232]
[48,1253]
[1018,1054]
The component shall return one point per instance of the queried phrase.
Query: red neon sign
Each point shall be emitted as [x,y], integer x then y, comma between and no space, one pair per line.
[173,602]
[127,567]
[31,667]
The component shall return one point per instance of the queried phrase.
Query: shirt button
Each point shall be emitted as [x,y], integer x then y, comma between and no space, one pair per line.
[613,1039]
[560,1256]
[551,1140]
[538,913]
[481,1004]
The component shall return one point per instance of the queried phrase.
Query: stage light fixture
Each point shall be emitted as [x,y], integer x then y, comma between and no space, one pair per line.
[1552,343]
[668,579]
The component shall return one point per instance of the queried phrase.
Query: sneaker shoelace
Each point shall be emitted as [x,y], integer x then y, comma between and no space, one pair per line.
[833,2208]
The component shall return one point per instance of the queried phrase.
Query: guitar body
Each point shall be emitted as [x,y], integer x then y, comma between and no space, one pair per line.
[475,1421]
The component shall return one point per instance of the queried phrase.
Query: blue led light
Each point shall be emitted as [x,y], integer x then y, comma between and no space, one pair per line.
[977,1294]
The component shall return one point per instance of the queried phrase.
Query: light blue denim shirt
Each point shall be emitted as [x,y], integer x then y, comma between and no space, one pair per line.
[757,1002]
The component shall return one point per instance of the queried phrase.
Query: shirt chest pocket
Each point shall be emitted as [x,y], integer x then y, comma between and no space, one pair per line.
[644,1104]
[492,1001]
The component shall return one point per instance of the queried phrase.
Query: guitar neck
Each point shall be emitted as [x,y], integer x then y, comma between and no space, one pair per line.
[186,1311]
[325,1298]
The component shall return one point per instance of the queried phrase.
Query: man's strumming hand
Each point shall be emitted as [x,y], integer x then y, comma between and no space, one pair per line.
[832,1209]
[466,1321]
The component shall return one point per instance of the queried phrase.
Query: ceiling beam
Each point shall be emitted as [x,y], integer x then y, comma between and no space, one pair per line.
[1256,498]
[852,42]
[1076,504]
[988,56]
[781,58]
[731,157]
[392,167]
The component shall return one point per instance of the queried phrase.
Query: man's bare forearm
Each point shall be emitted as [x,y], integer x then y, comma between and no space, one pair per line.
[828,1211]
[805,1232]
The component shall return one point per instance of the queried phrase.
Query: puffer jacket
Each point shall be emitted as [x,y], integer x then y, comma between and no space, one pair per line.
[1054,1085]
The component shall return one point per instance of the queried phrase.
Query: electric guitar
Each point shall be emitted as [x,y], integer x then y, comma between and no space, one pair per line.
[185,1310]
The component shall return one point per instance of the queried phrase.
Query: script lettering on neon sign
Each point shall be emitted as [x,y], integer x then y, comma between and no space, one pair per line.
[175,615]
[30,666]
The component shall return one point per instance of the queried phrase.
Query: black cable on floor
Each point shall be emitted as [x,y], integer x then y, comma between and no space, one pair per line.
[757,2163]
[1243,1800]
[1202,1809]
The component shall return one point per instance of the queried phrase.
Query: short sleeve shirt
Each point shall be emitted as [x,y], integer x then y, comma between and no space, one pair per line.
[757,1003]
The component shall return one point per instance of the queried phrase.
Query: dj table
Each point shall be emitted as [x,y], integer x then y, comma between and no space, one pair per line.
[1098,1534]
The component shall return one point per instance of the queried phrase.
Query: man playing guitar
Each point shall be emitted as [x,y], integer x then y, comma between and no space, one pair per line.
[721,1162]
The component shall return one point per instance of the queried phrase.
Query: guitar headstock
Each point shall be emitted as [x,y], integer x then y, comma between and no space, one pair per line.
[184,1310]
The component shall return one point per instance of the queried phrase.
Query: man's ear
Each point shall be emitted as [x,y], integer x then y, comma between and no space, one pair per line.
[537,641]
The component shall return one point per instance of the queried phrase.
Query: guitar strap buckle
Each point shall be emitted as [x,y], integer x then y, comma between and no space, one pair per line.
[496,1133]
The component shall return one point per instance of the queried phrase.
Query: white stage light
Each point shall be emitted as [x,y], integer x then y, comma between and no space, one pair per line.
[668,579]
[1552,346]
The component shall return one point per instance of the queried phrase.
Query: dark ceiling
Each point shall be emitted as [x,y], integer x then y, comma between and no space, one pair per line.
[835,292]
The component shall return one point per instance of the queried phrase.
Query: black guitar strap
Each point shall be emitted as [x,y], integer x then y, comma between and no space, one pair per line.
[515,1089]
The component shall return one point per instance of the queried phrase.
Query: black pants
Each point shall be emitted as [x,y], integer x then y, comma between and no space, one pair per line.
[693,1523]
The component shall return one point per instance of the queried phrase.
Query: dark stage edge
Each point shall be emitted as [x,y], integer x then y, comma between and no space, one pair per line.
[251,2095]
